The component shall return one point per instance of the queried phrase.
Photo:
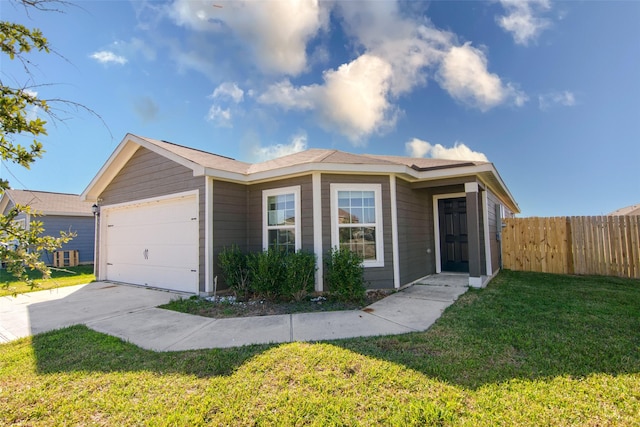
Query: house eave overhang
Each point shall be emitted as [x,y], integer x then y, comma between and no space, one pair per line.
[485,173]
[121,155]
[303,169]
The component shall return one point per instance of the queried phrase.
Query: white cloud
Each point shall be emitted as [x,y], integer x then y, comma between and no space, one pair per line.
[298,143]
[230,91]
[276,32]
[556,99]
[523,19]
[409,46]
[285,95]
[464,74]
[220,116]
[419,148]
[352,100]
[228,96]
[396,49]
[108,57]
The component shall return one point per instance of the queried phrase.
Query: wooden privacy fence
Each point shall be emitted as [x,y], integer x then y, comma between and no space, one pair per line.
[600,245]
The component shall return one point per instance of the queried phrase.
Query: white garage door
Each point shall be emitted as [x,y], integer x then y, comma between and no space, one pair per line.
[153,243]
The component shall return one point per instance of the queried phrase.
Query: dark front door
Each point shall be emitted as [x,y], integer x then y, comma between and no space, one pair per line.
[454,251]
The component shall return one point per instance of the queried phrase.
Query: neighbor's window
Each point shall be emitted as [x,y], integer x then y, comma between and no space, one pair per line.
[357,221]
[281,208]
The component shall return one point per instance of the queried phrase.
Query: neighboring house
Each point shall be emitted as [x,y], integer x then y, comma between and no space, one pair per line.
[57,212]
[166,212]
[629,210]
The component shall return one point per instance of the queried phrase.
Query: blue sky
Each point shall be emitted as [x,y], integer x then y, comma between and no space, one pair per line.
[547,91]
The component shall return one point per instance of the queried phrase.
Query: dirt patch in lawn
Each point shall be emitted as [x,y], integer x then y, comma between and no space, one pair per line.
[228,306]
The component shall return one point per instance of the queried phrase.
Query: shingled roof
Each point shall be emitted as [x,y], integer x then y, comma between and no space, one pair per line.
[204,163]
[49,203]
[629,210]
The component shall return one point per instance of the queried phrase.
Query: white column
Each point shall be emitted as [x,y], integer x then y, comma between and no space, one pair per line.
[394,231]
[316,189]
[208,230]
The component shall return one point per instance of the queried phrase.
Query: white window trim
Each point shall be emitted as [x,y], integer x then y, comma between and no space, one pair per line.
[335,241]
[295,190]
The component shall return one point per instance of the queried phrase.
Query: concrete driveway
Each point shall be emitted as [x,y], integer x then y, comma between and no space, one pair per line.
[36,312]
[130,313]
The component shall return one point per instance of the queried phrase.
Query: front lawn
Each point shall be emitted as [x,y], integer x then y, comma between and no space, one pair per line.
[531,349]
[66,276]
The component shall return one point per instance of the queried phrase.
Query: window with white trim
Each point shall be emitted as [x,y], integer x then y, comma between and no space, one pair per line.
[356,221]
[281,218]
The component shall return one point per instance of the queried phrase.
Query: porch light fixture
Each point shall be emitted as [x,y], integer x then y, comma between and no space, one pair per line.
[95,209]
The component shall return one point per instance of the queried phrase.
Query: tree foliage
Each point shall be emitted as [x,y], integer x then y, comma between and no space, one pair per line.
[20,111]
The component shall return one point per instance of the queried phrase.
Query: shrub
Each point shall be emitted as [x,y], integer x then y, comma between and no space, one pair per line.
[267,272]
[300,268]
[345,275]
[233,264]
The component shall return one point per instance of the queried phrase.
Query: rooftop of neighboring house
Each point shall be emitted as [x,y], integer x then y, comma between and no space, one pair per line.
[47,203]
[629,210]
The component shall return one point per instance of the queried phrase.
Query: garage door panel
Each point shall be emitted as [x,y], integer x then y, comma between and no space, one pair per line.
[154,244]
[178,234]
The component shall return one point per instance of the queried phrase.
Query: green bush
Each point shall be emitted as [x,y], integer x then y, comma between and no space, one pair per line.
[300,268]
[273,274]
[345,275]
[233,264]
[267,272]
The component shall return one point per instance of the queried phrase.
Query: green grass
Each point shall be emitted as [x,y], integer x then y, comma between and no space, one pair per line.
[531,349]
[67,276]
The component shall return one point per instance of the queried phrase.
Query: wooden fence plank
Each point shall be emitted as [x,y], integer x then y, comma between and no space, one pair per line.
[573,245]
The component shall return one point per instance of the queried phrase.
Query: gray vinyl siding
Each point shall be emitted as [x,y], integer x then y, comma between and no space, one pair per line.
[229,221]
[375,277]
[147,175]
[84,242]
[254,211]
[415,232]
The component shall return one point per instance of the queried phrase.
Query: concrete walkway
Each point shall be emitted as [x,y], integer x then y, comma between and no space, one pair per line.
[130,313]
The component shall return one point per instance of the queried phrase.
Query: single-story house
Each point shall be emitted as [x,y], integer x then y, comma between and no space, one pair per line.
[57,212]
[166,212]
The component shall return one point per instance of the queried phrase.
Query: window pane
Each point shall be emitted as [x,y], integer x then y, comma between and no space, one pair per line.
[343,199]
[369,216]
[356,216]
[283,239]
[281,210]
[361,240]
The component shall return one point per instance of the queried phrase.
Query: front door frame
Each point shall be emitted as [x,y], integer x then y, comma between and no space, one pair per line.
[436,225]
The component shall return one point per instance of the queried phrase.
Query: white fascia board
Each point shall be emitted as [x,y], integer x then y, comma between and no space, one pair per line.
[123,152]
[54,213]
[453,172]
[506,189]
[121,155]
[4,202]
[303,169]
[195,167]
[325,168]
[239,178]
[475,170]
